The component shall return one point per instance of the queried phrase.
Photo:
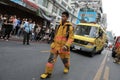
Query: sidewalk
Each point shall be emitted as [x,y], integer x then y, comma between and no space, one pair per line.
[16,38]
[20,39]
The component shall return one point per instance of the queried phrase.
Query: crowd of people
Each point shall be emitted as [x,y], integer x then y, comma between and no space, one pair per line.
[12,25]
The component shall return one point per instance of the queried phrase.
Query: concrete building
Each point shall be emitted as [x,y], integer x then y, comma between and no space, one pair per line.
[48,11]
[94,5]
[22,9]
[54,8]
[110,36]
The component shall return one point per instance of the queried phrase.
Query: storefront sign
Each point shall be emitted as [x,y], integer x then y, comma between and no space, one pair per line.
[31,4]
[30,7]
[46,15]
[87,16]
[18,2]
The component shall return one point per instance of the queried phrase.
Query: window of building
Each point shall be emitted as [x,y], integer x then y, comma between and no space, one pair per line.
[40,2]
[66,0]
[58,1]
[45,3]
[69,9]
[64,4]
[58,19]
[60,12]
[54,9]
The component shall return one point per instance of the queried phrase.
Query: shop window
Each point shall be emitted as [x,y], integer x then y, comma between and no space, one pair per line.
[58,1]
[64,4]
[45,3]
[60,12]
[54,9]
[40,2]
[33,0]
[66,0]
[69,9]
[58,19]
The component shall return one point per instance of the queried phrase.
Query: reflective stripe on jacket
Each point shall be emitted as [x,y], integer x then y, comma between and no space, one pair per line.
[60,37]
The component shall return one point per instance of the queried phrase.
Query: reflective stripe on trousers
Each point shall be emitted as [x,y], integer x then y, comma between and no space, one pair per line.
[53,58]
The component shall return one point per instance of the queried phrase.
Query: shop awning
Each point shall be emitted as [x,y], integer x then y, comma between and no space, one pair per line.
[31,4]
[46,15]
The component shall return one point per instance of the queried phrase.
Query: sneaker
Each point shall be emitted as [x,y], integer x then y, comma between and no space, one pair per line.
[66,70]
[45,75]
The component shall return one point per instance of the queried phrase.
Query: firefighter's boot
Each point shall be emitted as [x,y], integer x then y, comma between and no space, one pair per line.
[66,70]
[45,75]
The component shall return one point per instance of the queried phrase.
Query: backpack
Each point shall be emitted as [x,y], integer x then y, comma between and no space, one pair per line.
[67,30]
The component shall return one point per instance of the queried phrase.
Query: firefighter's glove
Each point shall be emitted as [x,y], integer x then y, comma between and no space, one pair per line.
[65,48]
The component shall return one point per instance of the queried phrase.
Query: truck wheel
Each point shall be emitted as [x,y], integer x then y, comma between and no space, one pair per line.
[92,53]
[99,52]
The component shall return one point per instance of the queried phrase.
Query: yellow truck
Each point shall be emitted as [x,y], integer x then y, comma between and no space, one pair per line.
[89,37]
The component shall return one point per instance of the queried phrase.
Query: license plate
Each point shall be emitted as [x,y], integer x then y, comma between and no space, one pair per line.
[77,47]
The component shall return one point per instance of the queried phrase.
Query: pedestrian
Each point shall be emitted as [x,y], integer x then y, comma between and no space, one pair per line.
[51,35]
[4,19]
[47,32]
[37,32]
[14,25]
[18,26]
[27,31]
[60,46]
[20,31]
[117,55]
[116,51]
[8,28]
[33,33]
[1,24]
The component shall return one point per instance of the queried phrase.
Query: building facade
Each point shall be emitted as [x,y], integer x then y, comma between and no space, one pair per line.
[92,9]
[110,36]
[54,8]
[47,10]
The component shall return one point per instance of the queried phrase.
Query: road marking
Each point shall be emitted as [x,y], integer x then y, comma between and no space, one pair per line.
[45,51]
[99,72]
[33,78]
[109,54]
[108,59]
[106,73]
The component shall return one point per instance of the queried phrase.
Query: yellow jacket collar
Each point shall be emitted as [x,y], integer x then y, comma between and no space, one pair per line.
[66,23]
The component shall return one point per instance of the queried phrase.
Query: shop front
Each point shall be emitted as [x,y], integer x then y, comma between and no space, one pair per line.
[22,10]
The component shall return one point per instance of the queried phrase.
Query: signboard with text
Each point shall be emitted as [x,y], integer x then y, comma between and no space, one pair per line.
[87,16]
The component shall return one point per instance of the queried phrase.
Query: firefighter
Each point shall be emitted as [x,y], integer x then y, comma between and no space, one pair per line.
[117,56]
[60,46]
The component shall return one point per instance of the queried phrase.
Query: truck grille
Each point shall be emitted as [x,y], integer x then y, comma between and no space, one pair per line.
[80,42]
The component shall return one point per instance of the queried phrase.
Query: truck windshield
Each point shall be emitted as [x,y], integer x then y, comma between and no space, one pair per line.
[88,31]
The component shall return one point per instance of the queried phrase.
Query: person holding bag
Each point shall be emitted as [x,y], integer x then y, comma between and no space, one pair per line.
[27,31]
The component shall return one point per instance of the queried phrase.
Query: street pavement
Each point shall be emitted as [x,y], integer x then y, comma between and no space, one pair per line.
[27,62]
